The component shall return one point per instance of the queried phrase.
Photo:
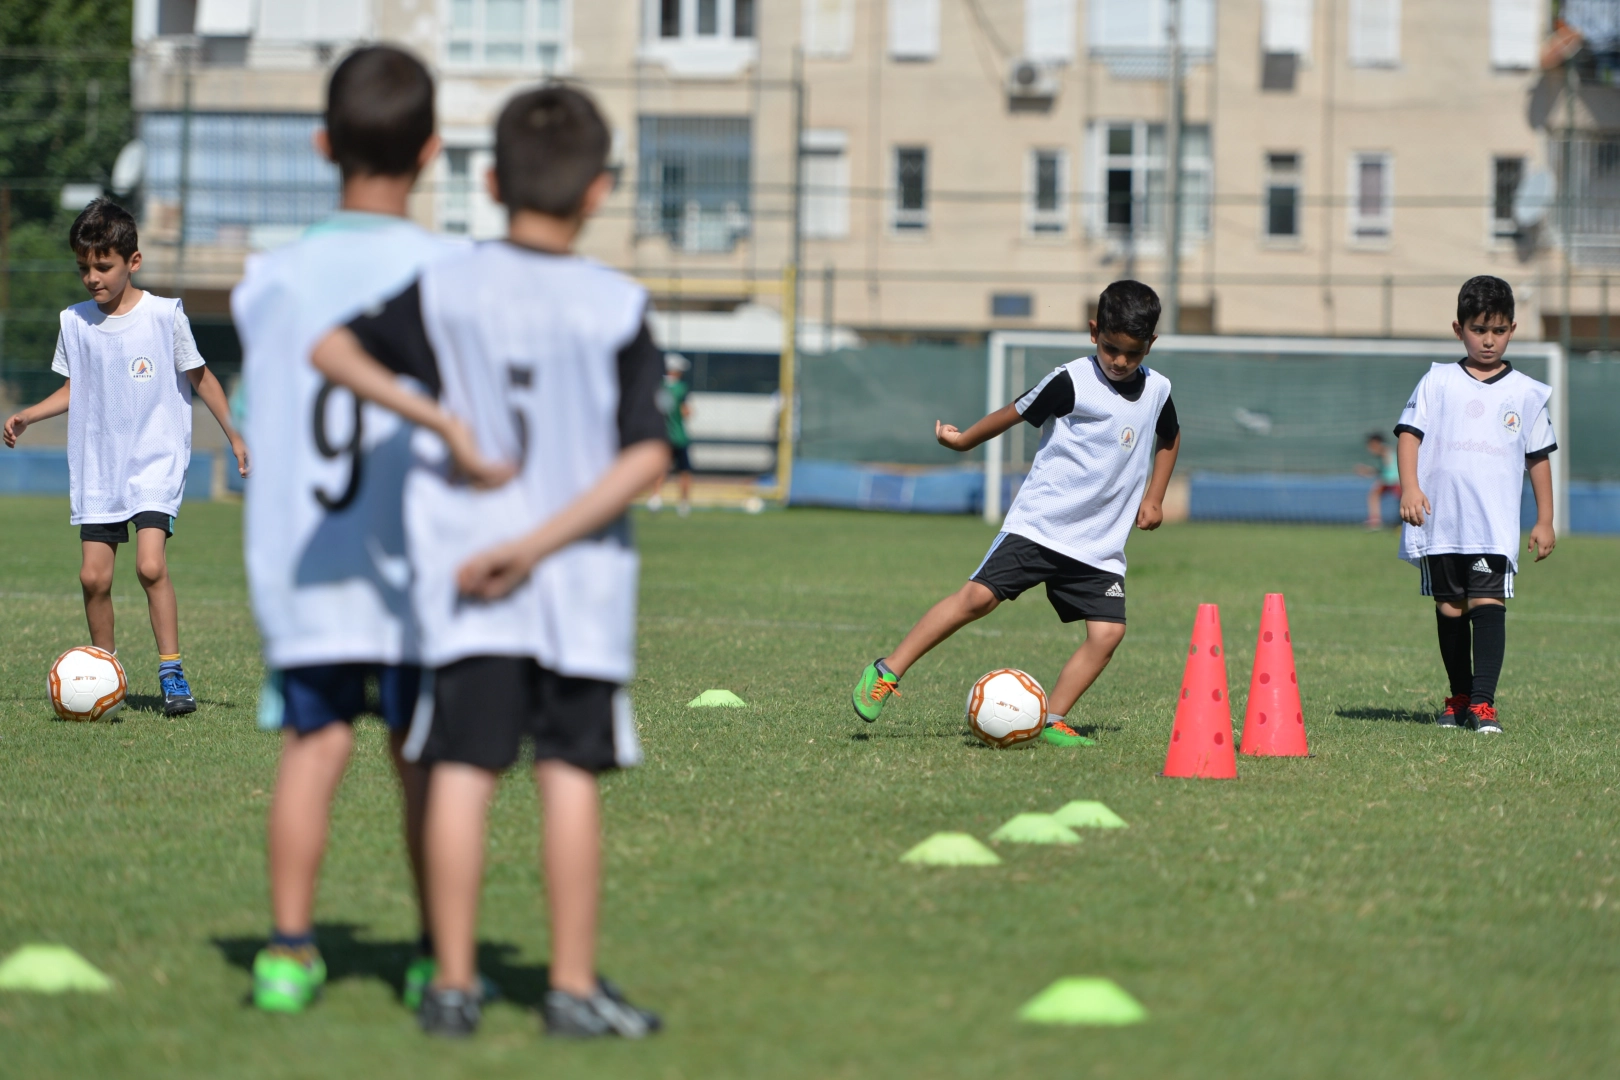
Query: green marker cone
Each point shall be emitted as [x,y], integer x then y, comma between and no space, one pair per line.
[951,849]
[1083,1001]
[724,699]
[1081,814]
[51,969]
[1035,829]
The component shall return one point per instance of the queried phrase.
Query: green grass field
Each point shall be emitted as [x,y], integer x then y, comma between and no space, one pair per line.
[1407,902]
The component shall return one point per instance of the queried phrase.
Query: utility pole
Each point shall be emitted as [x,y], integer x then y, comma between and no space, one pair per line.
[1566,184]
[187,52]
[1172,253]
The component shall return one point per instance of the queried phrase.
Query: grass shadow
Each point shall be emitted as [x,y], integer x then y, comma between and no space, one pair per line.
[1393,716]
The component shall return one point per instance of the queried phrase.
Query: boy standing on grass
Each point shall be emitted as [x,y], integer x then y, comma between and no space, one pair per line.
[1068,526]
[1466,438]
[323,524]
[675,390]
[548,359]
[1387,482]
[130,365]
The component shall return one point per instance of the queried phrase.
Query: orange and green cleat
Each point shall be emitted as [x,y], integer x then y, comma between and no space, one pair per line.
[287,980]
[872,690]
[1059,733]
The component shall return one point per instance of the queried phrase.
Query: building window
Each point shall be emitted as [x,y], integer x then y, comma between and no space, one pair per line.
[824,184]
[829,28]
[913,29]
[1515,34]
[1049,31]
[709,19]
[1507,174]
[1130,180]
[1375,33]
[1372,196]
[910,188]
[1282,196]
[1131,36]
[692,180]
[1048,209]
[507,34]
[456,205]
[1593,190]
[1011,305]
[1278,71]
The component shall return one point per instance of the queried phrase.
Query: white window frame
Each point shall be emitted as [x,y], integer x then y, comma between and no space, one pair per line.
[694,55]
[824,164]
[1375,46]
[1503,231]
[464,207]
[1147,234]
[829,28]
[1046,223]
[913,29]
[533,39]
[1287,26]
[1515,34]
[1049,31]
[1377,229]
[1142,25]
[1274,177]
[905,221]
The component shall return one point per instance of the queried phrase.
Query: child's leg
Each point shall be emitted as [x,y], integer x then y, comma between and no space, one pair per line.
[1487,617]
[1375,510]
[1456,645]
[573,868]
[311,767]
[96,579]
[413,785]
[1088,661]
[453,841]
[971,602]
[685,479]
[153,569]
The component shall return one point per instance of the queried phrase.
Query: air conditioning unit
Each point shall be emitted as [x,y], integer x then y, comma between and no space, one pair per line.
[1031,80]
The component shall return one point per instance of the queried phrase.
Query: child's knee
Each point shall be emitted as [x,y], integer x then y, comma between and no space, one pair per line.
[96,580]
[1105,635]
[978,600]
[151,568]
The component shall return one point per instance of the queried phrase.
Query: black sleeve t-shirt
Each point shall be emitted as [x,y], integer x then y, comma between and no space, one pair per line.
[1056,398]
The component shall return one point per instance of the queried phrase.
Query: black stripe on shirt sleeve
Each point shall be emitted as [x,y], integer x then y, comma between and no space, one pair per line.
[642,402]
[1055,399]
[1407,429]
[1540,455]
[395,335]
[1168,426]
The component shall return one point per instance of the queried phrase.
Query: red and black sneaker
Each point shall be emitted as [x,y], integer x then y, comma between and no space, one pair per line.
[1483,719]
[1455,713]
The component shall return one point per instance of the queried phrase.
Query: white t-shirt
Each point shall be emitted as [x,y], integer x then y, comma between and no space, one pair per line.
[323,528]
[1086,482]
[129,408]
[1476,436]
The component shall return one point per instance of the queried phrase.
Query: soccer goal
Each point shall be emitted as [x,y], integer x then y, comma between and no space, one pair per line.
[1272,428]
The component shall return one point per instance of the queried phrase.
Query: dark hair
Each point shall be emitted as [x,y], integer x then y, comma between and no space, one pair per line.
[1377,437]
[104,226]
[379,112]
[1484,295]
[1129,308]
[550,144]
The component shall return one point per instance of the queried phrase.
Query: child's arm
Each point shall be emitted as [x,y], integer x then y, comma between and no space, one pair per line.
[494,573]
[1541,534]
[55,405]
[1003,419]
[213,395]
[344,361]
[1414,504]
[1150,515]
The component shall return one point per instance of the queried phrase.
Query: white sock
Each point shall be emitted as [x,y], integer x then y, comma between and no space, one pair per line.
[1054,718]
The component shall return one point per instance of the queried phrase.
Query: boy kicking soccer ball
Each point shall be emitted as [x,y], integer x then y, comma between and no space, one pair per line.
[131,365]
[1466,438]
[527,594]
[1068,526]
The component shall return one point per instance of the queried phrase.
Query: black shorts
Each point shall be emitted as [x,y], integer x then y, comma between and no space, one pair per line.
[1461,577]
[680,459]
[484,706]
[117,532]
[1076,591]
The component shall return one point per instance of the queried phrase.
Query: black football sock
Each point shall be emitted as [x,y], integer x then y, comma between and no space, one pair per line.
[1490,642]
[1454,651]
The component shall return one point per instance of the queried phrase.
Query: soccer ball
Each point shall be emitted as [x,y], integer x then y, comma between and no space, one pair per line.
[86,683]
[1006,707]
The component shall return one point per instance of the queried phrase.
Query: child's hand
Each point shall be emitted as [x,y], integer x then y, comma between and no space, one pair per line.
[239,448]
[1414,505]
[472,464]
[947,435]
[1542,540]
[1150,515]
[492,574]
[16,424]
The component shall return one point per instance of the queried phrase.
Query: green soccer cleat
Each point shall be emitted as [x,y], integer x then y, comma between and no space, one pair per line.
[872,690]
[1059,733]
[287,980]
[419,976]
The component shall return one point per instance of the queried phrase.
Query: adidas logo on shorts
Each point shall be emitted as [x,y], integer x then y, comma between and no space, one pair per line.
[1115,590]
[1481,567]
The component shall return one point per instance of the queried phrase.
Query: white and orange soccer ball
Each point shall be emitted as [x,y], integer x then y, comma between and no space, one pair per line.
[87,683]
[1006,707]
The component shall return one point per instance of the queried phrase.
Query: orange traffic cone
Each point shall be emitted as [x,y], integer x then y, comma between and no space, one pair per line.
[1273,721]
[1201,741]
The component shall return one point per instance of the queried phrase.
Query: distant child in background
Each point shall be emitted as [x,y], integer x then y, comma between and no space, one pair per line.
[1388,473]
[131,365]
[677,412]
[1466,439]
[1093,477]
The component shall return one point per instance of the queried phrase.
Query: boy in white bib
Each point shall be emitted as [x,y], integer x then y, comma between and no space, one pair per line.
[131,365]
[1468,435]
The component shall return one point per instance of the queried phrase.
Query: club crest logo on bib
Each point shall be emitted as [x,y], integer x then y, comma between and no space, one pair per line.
[1511,419]
[141,369]
[1127,437]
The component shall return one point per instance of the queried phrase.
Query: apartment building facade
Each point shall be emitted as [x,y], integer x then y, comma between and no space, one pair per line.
[939,168]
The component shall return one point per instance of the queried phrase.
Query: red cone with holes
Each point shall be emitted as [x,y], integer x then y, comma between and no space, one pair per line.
[1274,722]
[1201,741]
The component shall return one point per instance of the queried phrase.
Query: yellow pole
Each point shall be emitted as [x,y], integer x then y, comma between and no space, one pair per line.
[790,340]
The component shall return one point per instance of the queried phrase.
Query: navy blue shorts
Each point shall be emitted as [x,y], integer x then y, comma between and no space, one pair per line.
[313,697]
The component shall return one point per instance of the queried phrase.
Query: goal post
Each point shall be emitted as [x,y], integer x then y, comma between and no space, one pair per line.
[1243,383]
